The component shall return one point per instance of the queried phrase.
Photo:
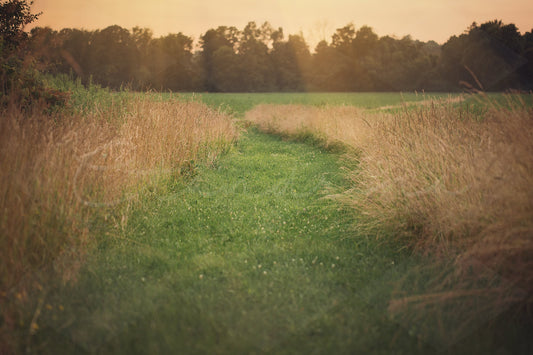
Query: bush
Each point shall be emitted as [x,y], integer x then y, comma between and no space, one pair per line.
[20,84]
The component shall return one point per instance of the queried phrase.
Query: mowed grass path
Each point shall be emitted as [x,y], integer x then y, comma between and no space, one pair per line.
[248,256]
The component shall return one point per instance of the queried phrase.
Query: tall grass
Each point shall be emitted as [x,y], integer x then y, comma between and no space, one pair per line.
[446,181]
[60,173]
[329,126]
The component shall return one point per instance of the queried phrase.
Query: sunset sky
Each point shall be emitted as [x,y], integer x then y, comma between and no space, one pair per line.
[316,19]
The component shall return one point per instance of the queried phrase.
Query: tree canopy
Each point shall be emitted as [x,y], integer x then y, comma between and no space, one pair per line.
[493,55]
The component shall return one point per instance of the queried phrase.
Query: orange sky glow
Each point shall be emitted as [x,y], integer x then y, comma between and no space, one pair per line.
[315,19]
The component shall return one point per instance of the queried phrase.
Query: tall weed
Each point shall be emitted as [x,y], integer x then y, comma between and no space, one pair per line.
[60,175]
[446,181]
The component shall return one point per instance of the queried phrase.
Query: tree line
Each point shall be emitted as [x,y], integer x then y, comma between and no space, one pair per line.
[260,58]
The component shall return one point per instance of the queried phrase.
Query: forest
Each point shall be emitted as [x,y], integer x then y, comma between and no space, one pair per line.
[492,56]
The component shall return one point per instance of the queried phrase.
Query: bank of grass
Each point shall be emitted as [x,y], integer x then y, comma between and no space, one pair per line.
[446,181]
[65,177]
[239,103]
[247,256]
[332,127]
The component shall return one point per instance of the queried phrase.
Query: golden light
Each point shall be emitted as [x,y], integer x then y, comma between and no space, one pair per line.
[422,19]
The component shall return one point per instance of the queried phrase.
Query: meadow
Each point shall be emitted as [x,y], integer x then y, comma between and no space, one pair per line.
[446,179]
[67,177]
[282,231]
[239,103]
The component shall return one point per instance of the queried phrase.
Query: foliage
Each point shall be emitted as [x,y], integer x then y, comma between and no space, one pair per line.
[208,264]
[247,256]
[20,83]
[260,58]
[448,181]
[240,103]
[506,57]
[14,15]
[65,180]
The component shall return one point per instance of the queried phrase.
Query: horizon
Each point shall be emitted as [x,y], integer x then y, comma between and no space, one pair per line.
[316,21]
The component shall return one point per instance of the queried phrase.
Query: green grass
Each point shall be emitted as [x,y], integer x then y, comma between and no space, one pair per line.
[244,256]
[248,256]
[239,103]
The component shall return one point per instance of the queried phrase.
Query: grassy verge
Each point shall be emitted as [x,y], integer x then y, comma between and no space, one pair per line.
[66,177]
[239,103]
[248,256]
[241,254]
[447,182]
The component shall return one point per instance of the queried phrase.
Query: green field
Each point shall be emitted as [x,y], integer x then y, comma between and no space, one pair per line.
[246,255]
[239,103]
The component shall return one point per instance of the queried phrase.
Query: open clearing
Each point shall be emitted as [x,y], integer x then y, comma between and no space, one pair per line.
[245,255]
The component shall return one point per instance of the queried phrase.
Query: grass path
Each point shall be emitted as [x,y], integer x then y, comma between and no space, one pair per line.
[246,257]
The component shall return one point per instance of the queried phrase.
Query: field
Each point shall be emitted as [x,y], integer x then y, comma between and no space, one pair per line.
[258,246]
[241,102]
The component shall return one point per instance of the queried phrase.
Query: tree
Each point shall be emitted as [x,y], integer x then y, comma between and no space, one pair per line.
[256,66]
[210,42]
[324,68]
[226,70]
[291,61]
[527,70]
[344,61]
[261,58]
[19,84]
[335,65]
[491,55]
[172,62]
[14,16]
[343,37]
[365,41]
[112,56]
[142,39]
[76,52]
[45,48]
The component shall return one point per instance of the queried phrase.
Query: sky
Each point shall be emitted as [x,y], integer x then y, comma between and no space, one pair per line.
[316,19]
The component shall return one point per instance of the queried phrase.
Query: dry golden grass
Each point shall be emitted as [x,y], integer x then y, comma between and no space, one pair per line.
[332,125]
[444,180]
[57,172]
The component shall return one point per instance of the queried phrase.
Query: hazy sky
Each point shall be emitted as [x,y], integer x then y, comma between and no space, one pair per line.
[316,19]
